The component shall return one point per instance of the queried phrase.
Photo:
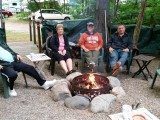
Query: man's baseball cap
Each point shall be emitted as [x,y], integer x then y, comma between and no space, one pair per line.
[90,24]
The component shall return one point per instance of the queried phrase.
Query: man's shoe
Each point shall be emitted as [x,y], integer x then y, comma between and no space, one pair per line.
[12,93]
[116,72]
[117,66]
[48,84]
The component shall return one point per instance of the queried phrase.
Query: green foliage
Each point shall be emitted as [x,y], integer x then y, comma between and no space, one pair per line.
[83,9]
[23,15]
[32,6]
[128,12]
[50,4]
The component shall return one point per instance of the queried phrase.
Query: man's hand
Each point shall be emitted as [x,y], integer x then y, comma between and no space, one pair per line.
[19,57]
[126,50]
[111,49]
[86,50]
[97,49]
[1,67]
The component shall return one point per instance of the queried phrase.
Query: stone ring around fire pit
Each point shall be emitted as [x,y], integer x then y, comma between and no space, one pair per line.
[93,91]
[91,85]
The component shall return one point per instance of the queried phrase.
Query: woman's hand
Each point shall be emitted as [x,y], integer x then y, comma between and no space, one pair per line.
[64,52]
[1,67]
[19,57]
[60,52]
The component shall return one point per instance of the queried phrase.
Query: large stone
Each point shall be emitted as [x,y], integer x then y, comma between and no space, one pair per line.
[114,82]
[71,76]
[119,92]
[77,102]
[61,91]
[102,103]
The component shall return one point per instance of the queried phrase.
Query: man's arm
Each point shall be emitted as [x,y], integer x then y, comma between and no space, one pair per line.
[110,41]
[81,43]
[109,44]
[100,41]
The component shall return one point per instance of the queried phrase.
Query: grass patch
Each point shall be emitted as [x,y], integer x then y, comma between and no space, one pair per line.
[13,36]
[14,19]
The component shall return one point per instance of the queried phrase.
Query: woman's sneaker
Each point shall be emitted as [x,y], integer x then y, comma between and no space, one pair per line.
[12,93]
[48,84]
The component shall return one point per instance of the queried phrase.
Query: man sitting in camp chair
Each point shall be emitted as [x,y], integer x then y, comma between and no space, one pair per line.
[10,64]
[91,42]
[119,46]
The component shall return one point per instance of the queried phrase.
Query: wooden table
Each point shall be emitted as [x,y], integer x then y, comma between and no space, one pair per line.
[145,62]
[36,59]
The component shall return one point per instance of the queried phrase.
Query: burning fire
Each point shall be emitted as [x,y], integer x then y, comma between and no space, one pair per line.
[92,84]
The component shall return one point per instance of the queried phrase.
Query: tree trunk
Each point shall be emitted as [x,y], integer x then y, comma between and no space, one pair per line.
[137,29]
[116,7]
[101,18]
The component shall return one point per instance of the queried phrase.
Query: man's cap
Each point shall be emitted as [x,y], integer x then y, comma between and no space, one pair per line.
[90,23]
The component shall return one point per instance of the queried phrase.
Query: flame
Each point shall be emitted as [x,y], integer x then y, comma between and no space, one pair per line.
[92,82]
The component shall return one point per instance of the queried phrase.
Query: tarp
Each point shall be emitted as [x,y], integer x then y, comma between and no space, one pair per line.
[149,40]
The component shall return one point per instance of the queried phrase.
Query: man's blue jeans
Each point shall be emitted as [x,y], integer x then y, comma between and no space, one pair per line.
[118,56]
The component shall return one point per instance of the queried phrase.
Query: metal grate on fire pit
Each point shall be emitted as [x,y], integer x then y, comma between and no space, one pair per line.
[82,85]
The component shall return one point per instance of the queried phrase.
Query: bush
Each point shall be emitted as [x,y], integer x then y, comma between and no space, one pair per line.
[23,15]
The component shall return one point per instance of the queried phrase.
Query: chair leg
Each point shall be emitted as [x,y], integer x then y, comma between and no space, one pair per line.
[154,80]
[24,76]
[5,87]
[128,68]
[52,63]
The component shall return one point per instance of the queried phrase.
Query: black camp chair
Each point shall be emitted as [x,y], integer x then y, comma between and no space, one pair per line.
[50,53]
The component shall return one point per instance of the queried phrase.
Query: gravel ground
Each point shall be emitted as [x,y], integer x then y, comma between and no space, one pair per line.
[34,103]
[20,27]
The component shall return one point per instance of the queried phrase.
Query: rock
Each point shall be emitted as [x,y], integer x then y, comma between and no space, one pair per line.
[114,82]
[102,103]
[60,91]
[71,76]
[119,92]
[77,102]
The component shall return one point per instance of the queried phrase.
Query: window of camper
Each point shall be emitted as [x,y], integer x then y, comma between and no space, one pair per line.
[14,4]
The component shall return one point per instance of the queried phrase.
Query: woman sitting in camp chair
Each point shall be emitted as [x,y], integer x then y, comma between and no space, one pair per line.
[61,51]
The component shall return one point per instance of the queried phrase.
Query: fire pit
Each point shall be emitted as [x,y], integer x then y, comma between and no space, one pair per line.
[90,84]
